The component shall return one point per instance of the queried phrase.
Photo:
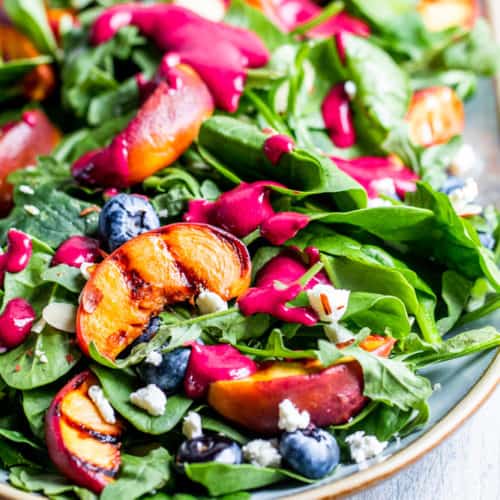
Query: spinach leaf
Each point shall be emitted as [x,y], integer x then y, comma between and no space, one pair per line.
[380,104]
[216,425]
[22,369]
[35,404]
[241,14]
[140,475]
[18,438]
[221,479]
[11,456]
[47,170]
[11,72]
[240,146]
[65,276]
[48,483]
[58,216]
[455,292]
[31,18]
[388,381]
[118,388]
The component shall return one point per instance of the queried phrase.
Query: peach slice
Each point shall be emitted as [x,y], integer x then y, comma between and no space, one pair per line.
[81,444]
[435,115]
[331,395]
[166,266]
[20,144]
[439,15]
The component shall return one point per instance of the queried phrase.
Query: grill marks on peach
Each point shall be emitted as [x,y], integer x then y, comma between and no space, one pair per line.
[92,442]
[137,281]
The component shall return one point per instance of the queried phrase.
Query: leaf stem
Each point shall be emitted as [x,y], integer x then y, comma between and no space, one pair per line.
[250,238]
[329,11]
[313,271]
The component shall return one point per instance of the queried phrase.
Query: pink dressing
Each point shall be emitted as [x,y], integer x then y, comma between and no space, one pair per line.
[276,146]
[337,115]
[77,250]
[210,363]
[18,254]
[282,226]
[368,169]
[15,323]
[276,284]
[219,53]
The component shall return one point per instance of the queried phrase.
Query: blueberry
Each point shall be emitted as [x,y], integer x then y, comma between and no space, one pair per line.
[169,375]
[451,184]
[125,216]
[148,333]
[208,449]
[487,240]
[311,452]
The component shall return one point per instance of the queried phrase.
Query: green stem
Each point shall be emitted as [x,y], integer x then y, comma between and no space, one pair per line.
[430,332]
[313,271]
[272,118]
[329,11]
[217,165]
[250,238]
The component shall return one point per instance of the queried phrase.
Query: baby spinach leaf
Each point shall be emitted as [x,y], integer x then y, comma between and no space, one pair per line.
[221,479]
[216,425]
[65,276]
[48,483]
[140,475]
[11,456]
[57,216]
[17,437]
[22,369]
[35,404]
[389,381]
[117,389]
[240,146]
[455,292]
[380,104]
[47,170]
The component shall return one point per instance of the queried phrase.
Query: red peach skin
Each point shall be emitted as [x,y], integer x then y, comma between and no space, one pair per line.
[331,396]
[80,444]
[165,126]
[166,266]
[20,144]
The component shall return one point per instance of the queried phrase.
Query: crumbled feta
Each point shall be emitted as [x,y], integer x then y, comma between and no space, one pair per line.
[214,10]
[191,425]
[150,398]
[337,333]
[163,213]
[26,189]
[102,404]
[41,356]
[39,326]
[154,358]
[209,302]
[363,448]
[462,199]
[378,202]
[32,210]
[350,89]
[61,316]
[465,162]
[436,387]
[290,418]
[262,453]
[329,303]
[385,186]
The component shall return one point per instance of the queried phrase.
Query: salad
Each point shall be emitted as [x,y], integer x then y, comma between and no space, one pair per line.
[233,233]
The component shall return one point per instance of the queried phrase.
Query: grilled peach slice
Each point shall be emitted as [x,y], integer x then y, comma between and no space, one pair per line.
[20,143]
[435,115]
[331,395]
[439,15]
[81,444]
[166,266]
[39,82]
[165,126]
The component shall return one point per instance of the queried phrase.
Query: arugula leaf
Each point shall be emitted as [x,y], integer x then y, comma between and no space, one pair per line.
[118,388]
[221,479]
[388,381]
[60,216]
[48,483]
[228,138]
[139,475]
[20,368]
[31,18]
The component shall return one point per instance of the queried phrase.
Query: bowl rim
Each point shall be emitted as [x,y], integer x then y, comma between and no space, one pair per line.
[468,405]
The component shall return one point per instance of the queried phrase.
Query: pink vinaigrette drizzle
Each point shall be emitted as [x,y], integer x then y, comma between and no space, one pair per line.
[210,363]
[338,117]
[15,323]
[18,254]
[276,146]
[77,250]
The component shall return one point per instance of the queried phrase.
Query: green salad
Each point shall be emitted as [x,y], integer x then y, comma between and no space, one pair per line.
[233,234]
